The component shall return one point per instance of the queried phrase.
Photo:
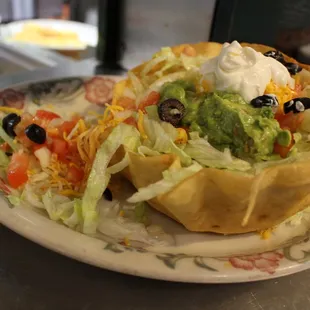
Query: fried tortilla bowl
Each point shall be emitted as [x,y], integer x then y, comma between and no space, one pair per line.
[224,201]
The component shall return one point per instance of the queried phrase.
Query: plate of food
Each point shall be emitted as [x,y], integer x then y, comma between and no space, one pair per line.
[193,168]
[51,34]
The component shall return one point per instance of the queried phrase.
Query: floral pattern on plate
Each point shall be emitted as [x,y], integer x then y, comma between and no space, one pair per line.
[12,98]
[267,262]
[97,90]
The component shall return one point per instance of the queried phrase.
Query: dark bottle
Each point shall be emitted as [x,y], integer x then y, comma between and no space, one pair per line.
[110,33]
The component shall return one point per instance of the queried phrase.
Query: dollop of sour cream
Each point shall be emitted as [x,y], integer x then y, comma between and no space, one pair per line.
[244,71]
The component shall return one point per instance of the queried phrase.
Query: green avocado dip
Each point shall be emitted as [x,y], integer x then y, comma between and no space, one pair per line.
[228,121]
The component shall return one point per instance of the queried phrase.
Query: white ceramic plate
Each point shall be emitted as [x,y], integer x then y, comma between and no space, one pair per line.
[193,257]
[88,34]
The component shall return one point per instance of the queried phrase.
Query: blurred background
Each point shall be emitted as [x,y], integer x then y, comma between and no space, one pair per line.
[130,31]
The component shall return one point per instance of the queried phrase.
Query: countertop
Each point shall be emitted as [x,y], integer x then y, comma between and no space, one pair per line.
[34,278]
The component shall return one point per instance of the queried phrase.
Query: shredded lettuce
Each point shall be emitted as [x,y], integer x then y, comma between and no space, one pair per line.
[6,138]
[4,160]
[203,152]
[171,177]
[29,196]
[99,177]
[14,200]
[119,166]
[152,112]
[161,139]
[298,156]
[140,212]
[146,151]
[151,64]
[75,219]
[190,62]
[156,86]
[61,208]
[302,145]
[120,228]
[166,55]
[136,84]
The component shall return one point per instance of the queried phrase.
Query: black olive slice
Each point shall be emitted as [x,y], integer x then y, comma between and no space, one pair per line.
[292,67]
[36,133]
[171,111]
[275,54]
[268,100]
[9,122]
[296,105]
[107,194]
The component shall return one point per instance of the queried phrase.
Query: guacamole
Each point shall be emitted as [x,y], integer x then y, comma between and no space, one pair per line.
[228,121]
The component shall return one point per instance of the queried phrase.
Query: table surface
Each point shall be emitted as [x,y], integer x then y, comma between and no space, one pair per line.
[34,278]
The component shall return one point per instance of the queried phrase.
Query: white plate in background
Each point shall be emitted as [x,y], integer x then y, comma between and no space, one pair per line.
[88,34]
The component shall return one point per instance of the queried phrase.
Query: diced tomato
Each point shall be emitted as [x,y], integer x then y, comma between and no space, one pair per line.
[48,115]
[75,174]
[72,147]
[24,140]
[152,98]
[127,103]
[290,120]
[5,147]
[130,121]
[59,147]
[66,127]
[283,150]
[17,169]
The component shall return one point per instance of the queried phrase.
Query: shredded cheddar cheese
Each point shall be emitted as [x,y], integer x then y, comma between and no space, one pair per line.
[70,193]
[31,172]
[297,79]
[182,137]
[126,241]
[266,234]
[202,86]
[50,106]
[140,125]
[11,110]
[73,165]
[283,93]
[82,127]
[88,139]
[93,113]
[57,172]
[118,91]
[110,111]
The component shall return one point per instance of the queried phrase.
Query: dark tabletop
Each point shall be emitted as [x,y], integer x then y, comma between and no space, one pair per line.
[34,278]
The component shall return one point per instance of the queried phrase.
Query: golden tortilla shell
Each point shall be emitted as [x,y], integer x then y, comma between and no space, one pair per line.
[209,49]
[215,200]
[264,48]
[223,201]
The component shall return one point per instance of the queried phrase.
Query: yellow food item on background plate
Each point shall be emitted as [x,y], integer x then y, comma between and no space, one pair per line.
[36,34]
